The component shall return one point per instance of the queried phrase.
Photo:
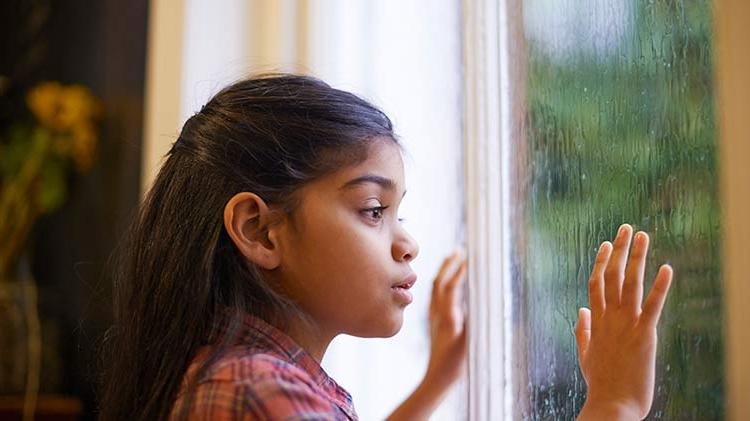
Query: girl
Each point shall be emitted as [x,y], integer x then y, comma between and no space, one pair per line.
[272,228]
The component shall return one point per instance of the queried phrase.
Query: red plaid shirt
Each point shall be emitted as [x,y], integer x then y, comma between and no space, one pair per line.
[266,377]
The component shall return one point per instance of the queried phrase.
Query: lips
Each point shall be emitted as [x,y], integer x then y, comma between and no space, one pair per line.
[401,289]
[407,283]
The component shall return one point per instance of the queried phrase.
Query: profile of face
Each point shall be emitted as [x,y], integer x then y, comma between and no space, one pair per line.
[346,249]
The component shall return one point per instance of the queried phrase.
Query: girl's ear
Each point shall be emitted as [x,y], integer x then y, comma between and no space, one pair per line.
[247,220]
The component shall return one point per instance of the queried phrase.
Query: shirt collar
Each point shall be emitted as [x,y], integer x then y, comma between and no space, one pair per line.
[261,334]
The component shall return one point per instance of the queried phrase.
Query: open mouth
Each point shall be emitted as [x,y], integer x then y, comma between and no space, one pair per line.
[406,283]
[401,290]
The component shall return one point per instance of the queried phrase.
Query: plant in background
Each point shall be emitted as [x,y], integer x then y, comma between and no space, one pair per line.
[39,149]
[36,157]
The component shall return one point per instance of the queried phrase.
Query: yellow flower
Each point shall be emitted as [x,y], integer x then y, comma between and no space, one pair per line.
[77,105]
[43,101]
[62,145]
[83,147]
[69,111]
[62,107]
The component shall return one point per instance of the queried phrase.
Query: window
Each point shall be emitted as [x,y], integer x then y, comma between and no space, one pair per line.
[619,127]
[588,114]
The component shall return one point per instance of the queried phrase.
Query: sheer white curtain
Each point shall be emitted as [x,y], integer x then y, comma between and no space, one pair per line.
[406,58]
[402,55]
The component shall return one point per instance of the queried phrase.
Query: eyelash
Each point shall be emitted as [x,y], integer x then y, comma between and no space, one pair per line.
[381,209]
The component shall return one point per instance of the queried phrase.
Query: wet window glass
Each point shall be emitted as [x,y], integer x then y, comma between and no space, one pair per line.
[618,126]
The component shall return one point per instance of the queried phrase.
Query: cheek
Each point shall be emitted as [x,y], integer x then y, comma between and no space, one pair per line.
[329,253]
[348,260]
[345,243]
[359,255]
[341,268]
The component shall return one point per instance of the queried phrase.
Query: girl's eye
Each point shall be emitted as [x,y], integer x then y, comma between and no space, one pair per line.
[376,213]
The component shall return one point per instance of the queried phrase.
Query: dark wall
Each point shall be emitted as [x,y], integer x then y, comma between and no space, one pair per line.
[101,44]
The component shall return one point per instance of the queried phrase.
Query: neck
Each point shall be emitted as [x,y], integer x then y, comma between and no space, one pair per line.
[309,335]
[313,339]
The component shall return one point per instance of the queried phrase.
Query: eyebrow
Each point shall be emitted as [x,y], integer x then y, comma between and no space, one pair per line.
[386,183]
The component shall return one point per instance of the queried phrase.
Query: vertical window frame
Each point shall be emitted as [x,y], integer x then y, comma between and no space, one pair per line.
[487,162]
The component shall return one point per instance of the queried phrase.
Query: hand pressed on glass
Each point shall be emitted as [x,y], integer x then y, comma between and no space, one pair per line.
[447,341]
[448,322]
[617,337]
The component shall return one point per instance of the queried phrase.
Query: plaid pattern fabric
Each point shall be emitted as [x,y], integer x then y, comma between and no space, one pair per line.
[267,376]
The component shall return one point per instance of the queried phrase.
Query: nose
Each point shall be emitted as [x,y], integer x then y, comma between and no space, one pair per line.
[405,248]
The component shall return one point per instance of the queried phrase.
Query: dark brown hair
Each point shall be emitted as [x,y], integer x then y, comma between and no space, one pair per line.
[177,274]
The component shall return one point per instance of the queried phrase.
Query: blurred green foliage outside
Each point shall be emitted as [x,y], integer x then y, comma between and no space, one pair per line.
[625,134]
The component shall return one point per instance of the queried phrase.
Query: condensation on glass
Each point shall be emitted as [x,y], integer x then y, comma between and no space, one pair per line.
[618,125]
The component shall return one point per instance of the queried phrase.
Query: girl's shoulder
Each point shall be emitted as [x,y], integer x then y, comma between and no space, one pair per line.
[251,384]
[253,366]
[264,375]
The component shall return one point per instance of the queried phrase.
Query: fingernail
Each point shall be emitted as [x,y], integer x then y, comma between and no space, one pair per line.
[622,229]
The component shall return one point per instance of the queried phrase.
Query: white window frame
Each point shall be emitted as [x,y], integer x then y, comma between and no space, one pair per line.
[488,109]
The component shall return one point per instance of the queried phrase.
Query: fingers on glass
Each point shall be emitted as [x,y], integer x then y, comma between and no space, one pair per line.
[615,272]
[457,278]
[442,275]
[452,268]
[452,286]
[447,262]
[632,289]
[655,301]
[596,282]
[583,330]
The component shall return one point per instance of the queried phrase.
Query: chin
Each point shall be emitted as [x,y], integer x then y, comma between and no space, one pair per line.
[393,325]
[385,328]
[393,331]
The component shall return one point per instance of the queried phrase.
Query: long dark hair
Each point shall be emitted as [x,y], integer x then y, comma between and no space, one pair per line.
[177,274]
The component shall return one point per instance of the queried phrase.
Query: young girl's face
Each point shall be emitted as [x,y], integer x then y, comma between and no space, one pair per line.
[348,248]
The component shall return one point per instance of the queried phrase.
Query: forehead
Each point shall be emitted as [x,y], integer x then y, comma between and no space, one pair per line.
[383,167]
